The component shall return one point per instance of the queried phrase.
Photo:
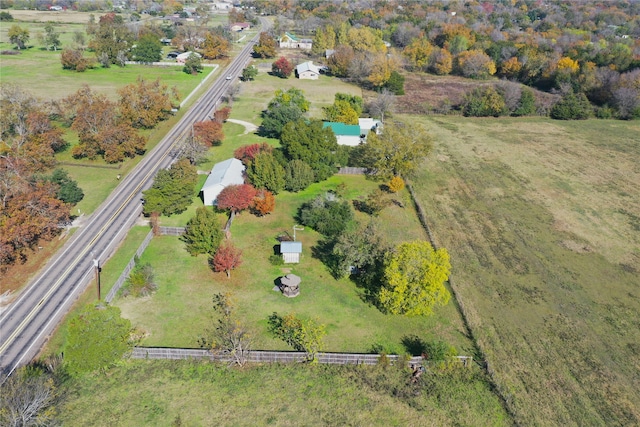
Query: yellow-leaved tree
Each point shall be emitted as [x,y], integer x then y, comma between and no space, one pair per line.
[414,279]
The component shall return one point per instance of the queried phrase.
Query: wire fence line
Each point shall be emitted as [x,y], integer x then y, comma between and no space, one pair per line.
[259,356]
[132,263]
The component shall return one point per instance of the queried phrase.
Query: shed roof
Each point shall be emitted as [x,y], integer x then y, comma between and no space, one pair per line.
[291,247]
[342,129]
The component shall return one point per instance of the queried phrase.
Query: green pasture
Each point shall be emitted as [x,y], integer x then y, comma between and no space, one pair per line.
[541,220]
[168,393]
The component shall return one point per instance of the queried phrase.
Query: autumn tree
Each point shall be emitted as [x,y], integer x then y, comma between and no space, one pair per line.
[236,198]
[282,68]
[266,46]
[227,335]
[144,104]
[441,62]
[418,53]
[227,258]
[194,150]
[264,172]
[414,279]
[475,64]
[18,36]
[264,203]
[111,39]
[172,190]
[221,115]
[208,132]
[73,59]
[247,153]
[397,151]
[302,334]
[340,61]
[484,101]
[96,339]
[215,46]
[203,233]
[346,108]
[147,49]
[395,184]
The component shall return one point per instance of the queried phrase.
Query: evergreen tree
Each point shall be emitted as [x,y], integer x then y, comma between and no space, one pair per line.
[299,175]
[572,107]
[264,171]
[527,104]
[203,233]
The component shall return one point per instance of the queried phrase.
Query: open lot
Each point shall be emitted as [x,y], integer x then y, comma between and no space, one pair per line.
[541,220]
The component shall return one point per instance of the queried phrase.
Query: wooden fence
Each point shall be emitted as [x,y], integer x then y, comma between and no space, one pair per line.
[172,231]
[265,356]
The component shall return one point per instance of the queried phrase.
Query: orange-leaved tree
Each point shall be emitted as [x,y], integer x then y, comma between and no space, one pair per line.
[264,203]
[227,258]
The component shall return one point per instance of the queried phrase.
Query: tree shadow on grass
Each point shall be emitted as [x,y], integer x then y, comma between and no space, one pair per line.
[414,345]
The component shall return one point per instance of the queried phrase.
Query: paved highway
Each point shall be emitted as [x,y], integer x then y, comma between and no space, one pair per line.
[28,322]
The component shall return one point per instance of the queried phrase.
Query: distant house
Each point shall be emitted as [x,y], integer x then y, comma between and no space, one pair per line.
[239,26]
[328,53]
[289,41]
[223,174]
[182,58]
[367,125]
[345,134]
[308,71]
[291,251]
[55,8]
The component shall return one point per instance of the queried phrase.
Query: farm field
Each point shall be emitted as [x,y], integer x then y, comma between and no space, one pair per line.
[541,219]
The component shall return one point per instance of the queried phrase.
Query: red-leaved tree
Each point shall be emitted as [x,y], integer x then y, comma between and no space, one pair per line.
[247,153]
[209,132]
[236,197]
[227,258]
[221,115]
[282,67]
[264,203]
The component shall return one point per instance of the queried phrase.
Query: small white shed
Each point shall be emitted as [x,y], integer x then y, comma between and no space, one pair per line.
[307,71]
[291,252]
[229,172]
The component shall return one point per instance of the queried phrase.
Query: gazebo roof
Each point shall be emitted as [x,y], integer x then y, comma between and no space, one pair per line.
[290,280]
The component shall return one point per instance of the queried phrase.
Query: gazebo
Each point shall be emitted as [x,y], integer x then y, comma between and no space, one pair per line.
[290,285]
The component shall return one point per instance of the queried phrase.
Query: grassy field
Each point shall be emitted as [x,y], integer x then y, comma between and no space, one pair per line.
[178,313]
[541,219]
[163,393]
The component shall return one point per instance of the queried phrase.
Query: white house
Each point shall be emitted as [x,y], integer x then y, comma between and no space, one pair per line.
[182,58]
[223,174]
[367,125]
[291,251]
[345,134]
[308,71]
[289,41]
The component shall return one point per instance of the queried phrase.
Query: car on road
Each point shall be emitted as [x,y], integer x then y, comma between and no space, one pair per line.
[229,77]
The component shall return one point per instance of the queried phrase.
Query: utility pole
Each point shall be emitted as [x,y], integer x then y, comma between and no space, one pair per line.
[96,266]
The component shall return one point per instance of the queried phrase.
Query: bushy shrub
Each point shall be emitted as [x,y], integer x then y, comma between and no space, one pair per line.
[484,102]
[140,282]
[572,106]
[328,217]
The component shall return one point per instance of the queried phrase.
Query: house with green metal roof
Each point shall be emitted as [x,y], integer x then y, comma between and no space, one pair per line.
[289,41]
[345,134]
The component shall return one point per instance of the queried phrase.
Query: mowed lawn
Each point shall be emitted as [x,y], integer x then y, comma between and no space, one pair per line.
[180,311]
[542,221]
